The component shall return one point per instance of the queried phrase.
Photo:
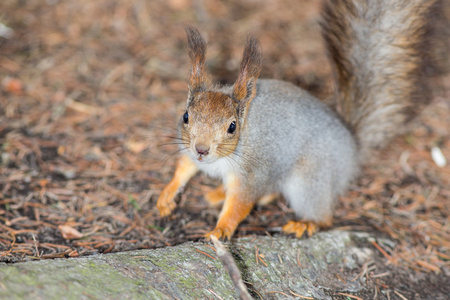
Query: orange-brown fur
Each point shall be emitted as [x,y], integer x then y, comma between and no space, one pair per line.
[235,209]
[202,106]
[216,196]
[184,171]
[212,133]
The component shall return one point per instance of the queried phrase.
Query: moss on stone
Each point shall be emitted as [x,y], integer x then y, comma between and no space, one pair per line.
[184,272]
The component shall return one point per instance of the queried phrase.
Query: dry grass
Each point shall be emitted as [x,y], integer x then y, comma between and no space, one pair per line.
[90,91]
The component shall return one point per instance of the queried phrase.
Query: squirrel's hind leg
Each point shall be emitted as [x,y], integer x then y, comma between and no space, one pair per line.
[309,194]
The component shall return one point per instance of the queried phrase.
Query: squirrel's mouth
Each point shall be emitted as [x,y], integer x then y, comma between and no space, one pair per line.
[205,159]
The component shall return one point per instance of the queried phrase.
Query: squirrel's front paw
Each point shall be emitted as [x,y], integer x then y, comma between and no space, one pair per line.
[166,201]
[220,233]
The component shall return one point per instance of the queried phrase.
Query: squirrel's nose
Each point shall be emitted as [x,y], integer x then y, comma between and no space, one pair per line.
[202,149]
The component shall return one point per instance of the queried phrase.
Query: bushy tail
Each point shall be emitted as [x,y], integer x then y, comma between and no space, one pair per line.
[378,49]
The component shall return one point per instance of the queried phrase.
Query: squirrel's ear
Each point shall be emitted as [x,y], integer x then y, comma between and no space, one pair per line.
[244,89]
[198,79]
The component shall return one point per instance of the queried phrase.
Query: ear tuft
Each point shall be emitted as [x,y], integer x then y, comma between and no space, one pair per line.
[198,79]
[245,85]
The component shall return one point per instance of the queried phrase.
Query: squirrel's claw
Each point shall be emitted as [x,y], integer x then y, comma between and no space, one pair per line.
[219,233]
[299,228]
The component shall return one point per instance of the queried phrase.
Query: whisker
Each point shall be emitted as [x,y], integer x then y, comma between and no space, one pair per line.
[170,155]
[234,169]
[250,160]
[162,128]
[173,137]
[169,144]
[223,151]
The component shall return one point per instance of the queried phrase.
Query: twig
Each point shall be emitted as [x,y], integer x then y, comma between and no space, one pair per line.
[350,296]
[204,253]
[400,295]
[214,293]
[340,278]
[232,269]
[380,275]
[428,266]
[300,296]
[35,245]
[383,251]
[212,248]
[260,257]
[276,292]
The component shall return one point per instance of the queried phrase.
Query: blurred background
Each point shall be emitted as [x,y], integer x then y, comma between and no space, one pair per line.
[90,94]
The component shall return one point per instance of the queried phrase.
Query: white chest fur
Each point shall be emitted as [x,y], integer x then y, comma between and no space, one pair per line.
[221,168]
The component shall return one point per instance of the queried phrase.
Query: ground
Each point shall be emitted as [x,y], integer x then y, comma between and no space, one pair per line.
[90,95]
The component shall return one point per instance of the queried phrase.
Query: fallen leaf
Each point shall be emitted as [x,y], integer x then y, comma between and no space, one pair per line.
[136,146]
[73,253]
[12,85]
[69,233]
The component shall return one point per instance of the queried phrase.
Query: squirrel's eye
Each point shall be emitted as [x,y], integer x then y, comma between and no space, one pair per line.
[232,127]
[186,118]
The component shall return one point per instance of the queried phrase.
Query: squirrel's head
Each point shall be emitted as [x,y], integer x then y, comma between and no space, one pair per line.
[214,118]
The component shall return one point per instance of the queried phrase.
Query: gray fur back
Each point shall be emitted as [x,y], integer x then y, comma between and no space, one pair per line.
[287,127]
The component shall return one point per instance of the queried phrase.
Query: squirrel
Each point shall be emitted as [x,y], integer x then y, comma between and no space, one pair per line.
[269,138]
